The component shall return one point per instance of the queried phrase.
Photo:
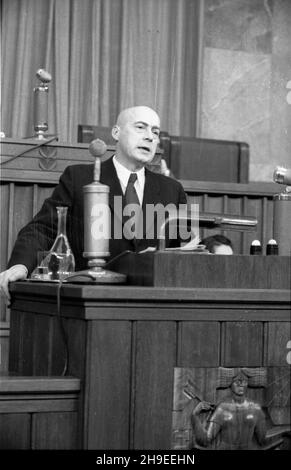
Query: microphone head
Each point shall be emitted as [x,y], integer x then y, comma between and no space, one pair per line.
[43,76]
[97,148]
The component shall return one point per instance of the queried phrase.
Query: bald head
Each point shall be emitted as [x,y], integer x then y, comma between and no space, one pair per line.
[135,113]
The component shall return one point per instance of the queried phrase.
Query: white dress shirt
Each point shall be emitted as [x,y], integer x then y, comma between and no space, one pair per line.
[123,176]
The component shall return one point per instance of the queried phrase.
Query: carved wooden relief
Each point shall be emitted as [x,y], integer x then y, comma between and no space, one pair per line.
[237,408]
[48,158]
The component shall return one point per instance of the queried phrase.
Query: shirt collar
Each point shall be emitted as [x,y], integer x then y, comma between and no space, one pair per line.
[124,174]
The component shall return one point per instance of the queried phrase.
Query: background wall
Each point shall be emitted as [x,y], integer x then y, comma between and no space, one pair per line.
[246,70]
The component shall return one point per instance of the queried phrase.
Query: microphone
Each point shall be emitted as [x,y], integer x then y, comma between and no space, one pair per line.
[97,148]
[206,220]
[41,103]
[97,225]
[282,175]
[43,76]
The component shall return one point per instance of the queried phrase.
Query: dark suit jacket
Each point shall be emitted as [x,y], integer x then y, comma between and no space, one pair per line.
[41,232]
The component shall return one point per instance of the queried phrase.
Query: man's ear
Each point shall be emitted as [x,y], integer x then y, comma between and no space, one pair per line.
[115,132]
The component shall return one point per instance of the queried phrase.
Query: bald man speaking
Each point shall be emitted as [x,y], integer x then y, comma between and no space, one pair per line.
[136,133]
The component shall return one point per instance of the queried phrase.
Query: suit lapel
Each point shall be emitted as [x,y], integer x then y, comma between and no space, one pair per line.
[151,197]
[110,178]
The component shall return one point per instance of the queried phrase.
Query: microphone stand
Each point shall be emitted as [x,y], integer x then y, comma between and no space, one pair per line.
[96,223]
[41,104]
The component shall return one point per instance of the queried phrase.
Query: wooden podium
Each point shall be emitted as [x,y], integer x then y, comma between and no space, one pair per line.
[125,342]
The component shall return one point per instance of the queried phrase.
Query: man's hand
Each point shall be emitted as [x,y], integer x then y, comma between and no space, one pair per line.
[15,273]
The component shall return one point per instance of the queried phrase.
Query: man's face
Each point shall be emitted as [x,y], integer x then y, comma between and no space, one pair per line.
[137,135]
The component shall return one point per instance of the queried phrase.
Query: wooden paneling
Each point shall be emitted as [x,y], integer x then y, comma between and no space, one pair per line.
[188,269]
[41,345]
[39,412]
[76,336]
[55,431]
[14,343]
[276,337]
[108,389]
[278,394]
[153,383]
[36,404]
[4,346]
[56,360]
[243,344]
[40,163]
[15,431]
[27,344]
[16,384]
[253,199]
[192,342]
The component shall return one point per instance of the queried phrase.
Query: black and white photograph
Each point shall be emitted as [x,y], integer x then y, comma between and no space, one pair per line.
[145,235]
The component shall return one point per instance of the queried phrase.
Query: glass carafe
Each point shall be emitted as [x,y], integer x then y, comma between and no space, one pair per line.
[59,262]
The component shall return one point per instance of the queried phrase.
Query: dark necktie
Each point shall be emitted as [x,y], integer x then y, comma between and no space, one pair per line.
[130,193]
[130,197]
